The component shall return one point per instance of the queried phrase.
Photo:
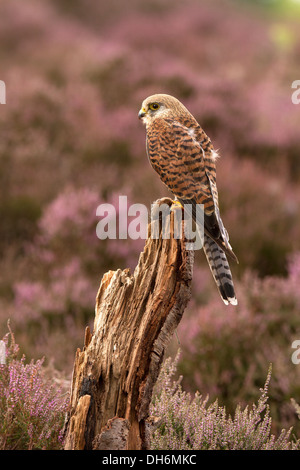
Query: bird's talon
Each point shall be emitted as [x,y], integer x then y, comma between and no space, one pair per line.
[164,200]
[176,203]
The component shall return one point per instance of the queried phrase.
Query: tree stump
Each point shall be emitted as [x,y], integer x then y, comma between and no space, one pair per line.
[135,318]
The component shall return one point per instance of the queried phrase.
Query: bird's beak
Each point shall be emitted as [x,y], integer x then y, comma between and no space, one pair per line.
[142,113]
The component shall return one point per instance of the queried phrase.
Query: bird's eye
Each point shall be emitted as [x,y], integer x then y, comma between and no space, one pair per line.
[154,106]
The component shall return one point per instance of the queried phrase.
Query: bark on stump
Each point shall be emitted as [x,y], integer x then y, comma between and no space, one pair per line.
[135,318]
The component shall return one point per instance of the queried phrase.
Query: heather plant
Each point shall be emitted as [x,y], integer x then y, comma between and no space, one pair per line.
[226,353]
[70,140]
[296,407]
[81,108]
[184,422]
[32,409]
[71,119]
[57,288]
[64,264]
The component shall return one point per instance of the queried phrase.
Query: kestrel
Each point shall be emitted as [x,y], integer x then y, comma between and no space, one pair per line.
[184,157]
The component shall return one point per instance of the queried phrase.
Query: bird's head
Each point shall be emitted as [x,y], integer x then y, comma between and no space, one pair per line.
[160,105]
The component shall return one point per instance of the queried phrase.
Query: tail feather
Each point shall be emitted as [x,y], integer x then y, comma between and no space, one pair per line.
[220,270]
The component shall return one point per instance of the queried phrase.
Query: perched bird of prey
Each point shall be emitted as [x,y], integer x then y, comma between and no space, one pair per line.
[184,157]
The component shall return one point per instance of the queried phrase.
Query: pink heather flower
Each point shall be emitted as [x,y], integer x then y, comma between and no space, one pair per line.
[294,266]
[32,410]
[190,423]
[72,208]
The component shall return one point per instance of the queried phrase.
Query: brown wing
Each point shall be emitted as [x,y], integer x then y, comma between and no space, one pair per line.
[178,157]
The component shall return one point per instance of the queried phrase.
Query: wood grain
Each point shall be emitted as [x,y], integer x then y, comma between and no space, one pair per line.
[115,372]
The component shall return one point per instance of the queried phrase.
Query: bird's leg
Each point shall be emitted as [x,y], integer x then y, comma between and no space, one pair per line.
[170,202]
[155,209]
[175,202]
[164,200]
[160,211]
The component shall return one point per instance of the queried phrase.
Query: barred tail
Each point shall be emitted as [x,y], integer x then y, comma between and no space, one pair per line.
[220,270]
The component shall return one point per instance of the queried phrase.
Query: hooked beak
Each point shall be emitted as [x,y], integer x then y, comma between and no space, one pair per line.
[142,113]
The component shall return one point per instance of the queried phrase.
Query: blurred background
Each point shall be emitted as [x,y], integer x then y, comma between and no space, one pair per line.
[76,74]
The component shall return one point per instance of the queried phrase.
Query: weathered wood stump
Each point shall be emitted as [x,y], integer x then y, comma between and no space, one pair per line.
[135,317]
